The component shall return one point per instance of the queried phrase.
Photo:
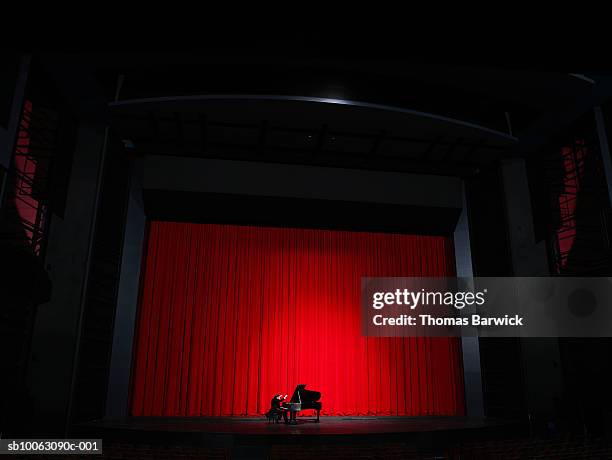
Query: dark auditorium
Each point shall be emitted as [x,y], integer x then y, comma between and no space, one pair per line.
[296,252]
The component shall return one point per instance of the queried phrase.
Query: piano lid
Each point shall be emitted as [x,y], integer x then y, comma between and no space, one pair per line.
[302,395]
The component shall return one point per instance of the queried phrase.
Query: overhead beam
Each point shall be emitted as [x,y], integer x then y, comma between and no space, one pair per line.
[205,122]
[180,135]
[431,146]
[263,135]
[172,100]
[203,132]
[475,148]
[153,126]
[377,142]
[300,156]
[320,140]
[452,148]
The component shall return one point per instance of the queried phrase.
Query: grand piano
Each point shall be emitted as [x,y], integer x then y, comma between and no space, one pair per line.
[303,399]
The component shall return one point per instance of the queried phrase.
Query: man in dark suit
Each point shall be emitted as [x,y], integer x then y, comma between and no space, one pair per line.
[276,409]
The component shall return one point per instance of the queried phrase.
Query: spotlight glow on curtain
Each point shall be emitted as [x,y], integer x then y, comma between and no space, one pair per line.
[231,315]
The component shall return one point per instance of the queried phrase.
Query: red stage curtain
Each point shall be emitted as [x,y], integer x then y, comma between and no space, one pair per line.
[231,315]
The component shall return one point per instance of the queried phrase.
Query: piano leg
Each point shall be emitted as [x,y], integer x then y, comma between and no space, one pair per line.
[317,421]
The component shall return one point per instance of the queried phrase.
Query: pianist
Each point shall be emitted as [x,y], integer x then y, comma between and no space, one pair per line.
[276,409]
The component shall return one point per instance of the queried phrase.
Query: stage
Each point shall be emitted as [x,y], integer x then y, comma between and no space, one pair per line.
[222,431]
[340,438]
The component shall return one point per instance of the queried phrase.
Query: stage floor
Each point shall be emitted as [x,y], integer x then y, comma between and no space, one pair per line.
[329,427]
